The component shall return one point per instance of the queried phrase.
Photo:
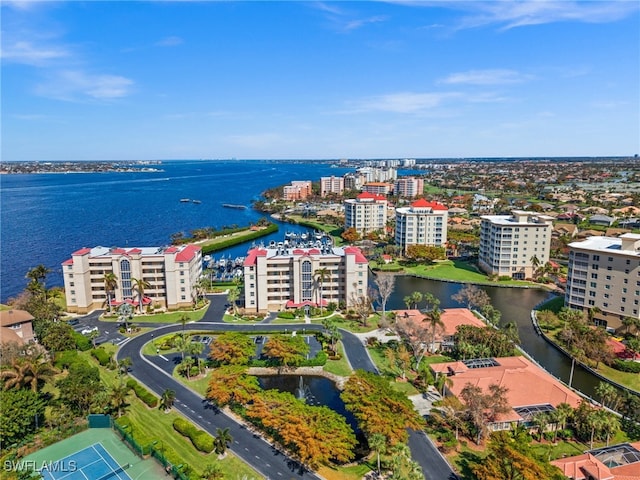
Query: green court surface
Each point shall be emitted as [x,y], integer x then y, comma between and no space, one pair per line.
[139,469]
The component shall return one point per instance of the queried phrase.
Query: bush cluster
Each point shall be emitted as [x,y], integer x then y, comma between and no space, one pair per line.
[143,394]
[63,360]
[624,366]
[82,343]
[101,356]
[200,439]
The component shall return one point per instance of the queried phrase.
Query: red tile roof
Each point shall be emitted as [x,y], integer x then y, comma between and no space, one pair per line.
[253,254]
[68,262]
[360,258]
[82,251]
[188,253]
[372,196]
[422,203]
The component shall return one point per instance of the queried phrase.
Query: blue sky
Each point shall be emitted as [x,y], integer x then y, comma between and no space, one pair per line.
[311,80]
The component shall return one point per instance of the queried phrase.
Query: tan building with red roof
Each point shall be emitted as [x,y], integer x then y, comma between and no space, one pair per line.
[530,389]
[366,213]
[16,326]
[451,319]
[422,223]
[280,277]
[616,462]
[171,273]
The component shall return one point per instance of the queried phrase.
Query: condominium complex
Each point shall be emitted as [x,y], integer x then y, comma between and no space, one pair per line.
[366,213]
[604,274]
[168,276]
[331,186]
[408,187]
[422,223]
[514,245]
[283,276]
[298,190]
[377,188]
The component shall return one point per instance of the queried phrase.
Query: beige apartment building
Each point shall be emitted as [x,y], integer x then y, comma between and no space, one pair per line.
[280,277]
[298,190]
[408,187]
[366,213]
[512,245]
[604,274]
[171,274]
[422,223]
[331,186]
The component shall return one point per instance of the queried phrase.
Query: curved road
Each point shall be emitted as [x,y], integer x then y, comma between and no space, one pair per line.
[155,373]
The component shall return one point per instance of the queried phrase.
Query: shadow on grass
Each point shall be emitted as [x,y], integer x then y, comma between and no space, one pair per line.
[466,461]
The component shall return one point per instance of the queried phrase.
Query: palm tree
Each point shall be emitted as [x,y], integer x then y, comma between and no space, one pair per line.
[434,320]
[110,285]
[213,471]
[38,275]
[27,371]
[606,392]
[378,443]
[118,397]
[182,344]
[167,399]
[535,263]
[561,414]
[184,319]
[321,274]
[139,284]
[195,349]
[232,297]
[222,441]
[125,313]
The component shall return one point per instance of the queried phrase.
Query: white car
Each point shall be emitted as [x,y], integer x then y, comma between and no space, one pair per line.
[88,330]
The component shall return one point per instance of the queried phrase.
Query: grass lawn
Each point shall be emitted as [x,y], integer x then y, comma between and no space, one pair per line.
[171,317]
[339,367]
[150,424]
[353,325]
[459,271]
[628,379]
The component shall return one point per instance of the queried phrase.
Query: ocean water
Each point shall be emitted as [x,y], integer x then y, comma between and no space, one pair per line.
[46,217]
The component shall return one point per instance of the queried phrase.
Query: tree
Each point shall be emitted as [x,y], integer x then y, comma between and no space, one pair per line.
[183,319]
[385,284]
[167,399]
[81,388]
[118,397]
[287,349]
[182,343]
[378,408]
[535,264]
[321,275]
[415,334]
[32,371]
[483,408]
[110,285]
[350,235]
[472,296]
[22,413]
[230,384]
[38,275]
[222,441]
[139,285]
[125,313]
[232,297]
[434,320]
[232,348]
[512,458]
[361,304]
[332,330]
[607,394]
[378,443]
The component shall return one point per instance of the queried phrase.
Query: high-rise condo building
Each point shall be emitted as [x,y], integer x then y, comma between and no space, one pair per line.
[514,245]
[366,213]
[604,276]
[422,223]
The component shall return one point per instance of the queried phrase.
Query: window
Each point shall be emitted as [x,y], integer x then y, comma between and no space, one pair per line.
[610,259]
[596,258]
[72,284]
[183,297]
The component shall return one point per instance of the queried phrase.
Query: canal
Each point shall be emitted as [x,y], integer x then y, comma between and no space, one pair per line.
[515,304]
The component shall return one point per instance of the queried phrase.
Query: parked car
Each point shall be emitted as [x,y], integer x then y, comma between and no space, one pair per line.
[73,321]
[88,330]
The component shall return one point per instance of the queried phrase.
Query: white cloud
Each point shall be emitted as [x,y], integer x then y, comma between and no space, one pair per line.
[26,52]
[171,41]
[485,77]
[73,85]
[403,102]
[511,14]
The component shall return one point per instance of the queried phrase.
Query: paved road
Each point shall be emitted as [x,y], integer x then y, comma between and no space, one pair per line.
[155,373]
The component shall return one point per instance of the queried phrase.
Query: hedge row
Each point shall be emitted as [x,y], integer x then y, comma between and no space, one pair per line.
[240,239]
[101,356]
[625,366]
[142,393]
[200,439]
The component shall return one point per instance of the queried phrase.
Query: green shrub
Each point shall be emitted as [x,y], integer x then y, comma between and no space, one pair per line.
[64,359]
[199,438]
[287,315]
[625,366]
[143,394]
[318,361]
[101,356]
[82,343]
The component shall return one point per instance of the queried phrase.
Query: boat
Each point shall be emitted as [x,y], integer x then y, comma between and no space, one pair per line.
[233,205]
[185,200]
[197,201]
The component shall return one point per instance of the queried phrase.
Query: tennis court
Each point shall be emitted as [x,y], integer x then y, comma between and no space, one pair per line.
[91,463]
[95,453]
